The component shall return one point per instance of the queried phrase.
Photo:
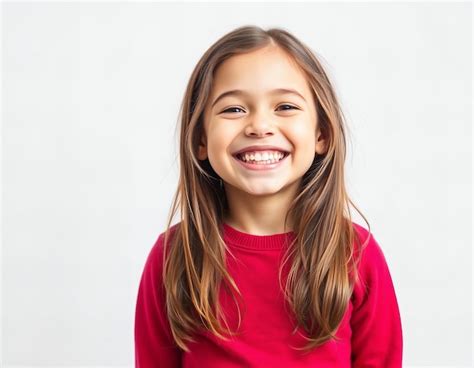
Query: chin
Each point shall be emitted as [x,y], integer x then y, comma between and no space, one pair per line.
[263,192]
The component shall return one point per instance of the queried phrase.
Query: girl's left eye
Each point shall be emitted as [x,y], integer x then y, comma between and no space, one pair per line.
[291,107]
[238,108]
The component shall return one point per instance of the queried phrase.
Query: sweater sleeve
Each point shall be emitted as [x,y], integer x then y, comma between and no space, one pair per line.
[154,345]
[376,324]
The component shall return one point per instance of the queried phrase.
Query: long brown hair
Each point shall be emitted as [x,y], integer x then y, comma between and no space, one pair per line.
[323,262]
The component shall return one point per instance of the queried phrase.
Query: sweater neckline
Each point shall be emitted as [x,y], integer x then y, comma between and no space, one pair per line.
[257,242]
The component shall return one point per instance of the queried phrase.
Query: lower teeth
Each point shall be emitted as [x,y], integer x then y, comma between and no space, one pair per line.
[262,162]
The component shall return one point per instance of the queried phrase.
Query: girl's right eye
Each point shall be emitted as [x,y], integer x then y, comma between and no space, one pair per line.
[232,108]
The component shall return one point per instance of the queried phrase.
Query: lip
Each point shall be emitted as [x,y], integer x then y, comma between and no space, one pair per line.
[260,148]
[260,167]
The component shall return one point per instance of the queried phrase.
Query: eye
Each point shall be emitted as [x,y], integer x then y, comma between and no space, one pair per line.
[232,108]
[291,107]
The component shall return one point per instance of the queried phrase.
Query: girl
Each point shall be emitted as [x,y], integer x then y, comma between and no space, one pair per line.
[266,245]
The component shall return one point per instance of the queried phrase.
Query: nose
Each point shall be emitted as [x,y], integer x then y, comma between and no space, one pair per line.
[259,126]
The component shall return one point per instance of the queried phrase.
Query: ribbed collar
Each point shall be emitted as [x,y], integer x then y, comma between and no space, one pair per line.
[258,242]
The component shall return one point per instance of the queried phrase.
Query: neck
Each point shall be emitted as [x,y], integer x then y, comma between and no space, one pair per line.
[259,214]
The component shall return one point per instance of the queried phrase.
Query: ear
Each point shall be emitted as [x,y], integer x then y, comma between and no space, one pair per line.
[202,149]
[321,143]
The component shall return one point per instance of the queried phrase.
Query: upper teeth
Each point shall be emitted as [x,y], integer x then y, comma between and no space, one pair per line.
[262,155]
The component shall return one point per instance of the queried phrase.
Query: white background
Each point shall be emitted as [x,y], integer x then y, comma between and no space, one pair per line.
[91,93]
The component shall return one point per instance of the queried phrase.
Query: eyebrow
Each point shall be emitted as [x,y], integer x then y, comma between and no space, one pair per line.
[239,92]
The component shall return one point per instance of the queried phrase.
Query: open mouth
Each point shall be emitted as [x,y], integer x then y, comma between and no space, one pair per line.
[272,160]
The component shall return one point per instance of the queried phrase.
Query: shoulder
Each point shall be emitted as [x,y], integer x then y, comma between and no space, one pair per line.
[155,254]
[373,267]
[368,246]
[159,244]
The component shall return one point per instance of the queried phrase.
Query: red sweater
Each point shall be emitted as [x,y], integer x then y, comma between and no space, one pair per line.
[370,332]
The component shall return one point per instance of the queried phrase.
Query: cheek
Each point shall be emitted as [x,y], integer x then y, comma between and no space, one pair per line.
[219,139]
[303,133]
[303,138]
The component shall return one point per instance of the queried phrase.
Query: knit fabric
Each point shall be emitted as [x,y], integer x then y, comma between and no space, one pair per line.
[370,332]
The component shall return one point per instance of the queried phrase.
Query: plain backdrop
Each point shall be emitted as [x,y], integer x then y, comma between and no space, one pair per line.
[91,93]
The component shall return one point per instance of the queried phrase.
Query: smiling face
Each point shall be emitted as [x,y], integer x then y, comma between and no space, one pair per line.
[258,116]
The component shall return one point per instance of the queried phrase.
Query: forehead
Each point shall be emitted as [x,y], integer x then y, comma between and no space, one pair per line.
[258,71]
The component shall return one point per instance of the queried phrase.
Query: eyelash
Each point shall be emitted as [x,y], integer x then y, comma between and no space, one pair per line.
[292,108]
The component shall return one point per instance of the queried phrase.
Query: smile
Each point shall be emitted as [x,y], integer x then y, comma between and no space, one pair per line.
[254,165]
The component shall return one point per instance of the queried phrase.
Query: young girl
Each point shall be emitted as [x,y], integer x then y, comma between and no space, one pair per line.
[265,245]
